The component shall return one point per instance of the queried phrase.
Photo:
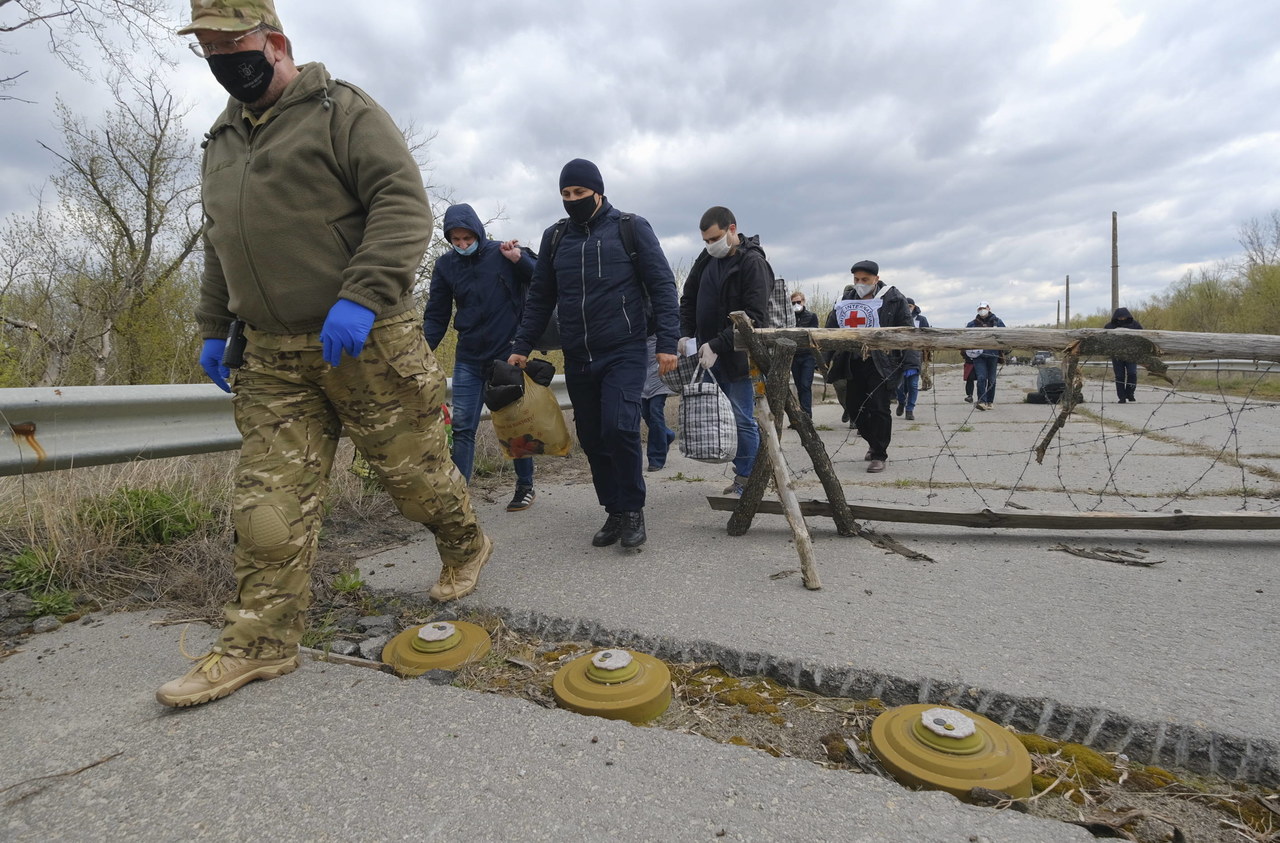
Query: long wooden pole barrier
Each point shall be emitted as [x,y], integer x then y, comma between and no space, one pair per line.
[1082,342]
[1010,519]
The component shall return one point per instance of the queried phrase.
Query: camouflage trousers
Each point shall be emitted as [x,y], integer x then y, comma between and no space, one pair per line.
[291,408]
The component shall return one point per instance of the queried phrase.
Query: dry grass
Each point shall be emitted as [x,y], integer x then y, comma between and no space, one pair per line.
[52,513]
[129,560]
[106,560]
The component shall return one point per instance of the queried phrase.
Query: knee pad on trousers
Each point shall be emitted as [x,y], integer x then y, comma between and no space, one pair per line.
[424,496]
[268,533]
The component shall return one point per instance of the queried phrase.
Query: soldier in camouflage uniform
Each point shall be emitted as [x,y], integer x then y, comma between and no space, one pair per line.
[315,221]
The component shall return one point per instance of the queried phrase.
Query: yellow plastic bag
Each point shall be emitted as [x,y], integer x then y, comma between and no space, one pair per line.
[534,424]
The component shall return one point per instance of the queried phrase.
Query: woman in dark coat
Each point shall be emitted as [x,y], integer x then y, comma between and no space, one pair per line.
[1126,370]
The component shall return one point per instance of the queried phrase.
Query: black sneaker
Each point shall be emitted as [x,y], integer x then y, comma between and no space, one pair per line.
[633,529]
[609,533]
[901,409]
[911,416]
[968,399]
[522,499]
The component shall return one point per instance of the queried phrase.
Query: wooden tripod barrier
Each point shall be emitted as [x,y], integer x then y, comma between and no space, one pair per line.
[740,522]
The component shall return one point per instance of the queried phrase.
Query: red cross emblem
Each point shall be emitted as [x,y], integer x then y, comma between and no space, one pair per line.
[855,319]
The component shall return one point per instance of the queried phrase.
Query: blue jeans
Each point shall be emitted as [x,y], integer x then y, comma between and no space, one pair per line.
[605,392]
[802,368]
[909,391]
[984,368]
[660,436]
[742,394]
[468,399]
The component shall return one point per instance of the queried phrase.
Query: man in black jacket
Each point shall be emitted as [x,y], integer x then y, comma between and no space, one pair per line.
[731,274]
[604,295]
[870,381]
[804,363]
[1126,371]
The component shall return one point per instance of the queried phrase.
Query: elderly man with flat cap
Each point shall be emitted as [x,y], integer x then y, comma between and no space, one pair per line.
[315,223]
[870,381]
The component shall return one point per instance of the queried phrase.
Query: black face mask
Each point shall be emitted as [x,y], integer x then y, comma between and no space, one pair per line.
[246,76]
[581,210]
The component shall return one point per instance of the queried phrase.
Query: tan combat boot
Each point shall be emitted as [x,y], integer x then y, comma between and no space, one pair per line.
[217,675]
[458,581]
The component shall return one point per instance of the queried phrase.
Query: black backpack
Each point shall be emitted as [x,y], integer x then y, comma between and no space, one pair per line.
[550,339]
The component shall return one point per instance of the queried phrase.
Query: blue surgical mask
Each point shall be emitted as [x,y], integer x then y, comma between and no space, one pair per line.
[470,250]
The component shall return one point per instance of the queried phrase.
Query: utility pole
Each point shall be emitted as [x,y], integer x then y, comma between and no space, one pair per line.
[1068,302]
[1115,262]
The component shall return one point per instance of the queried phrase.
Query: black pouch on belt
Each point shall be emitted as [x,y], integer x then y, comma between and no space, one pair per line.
[233,354]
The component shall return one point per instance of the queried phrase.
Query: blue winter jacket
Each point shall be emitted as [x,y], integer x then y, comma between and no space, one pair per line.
[489,290]
[597,289]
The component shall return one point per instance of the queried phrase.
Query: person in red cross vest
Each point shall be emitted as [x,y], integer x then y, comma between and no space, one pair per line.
[871,382]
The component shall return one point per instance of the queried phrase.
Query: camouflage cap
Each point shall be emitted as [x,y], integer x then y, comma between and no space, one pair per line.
[231,15]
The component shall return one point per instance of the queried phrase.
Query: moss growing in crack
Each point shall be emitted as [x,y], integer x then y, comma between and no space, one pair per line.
[835,747]
[1088,766]
[756,694]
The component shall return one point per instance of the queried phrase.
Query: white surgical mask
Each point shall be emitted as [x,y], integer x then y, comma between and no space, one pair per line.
[984,313]
[719,248]
[797,306]
[863,290]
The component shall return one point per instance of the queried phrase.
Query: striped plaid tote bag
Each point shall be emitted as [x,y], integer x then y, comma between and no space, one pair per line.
[708,432]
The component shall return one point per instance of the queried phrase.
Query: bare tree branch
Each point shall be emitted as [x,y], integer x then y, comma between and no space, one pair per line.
[113,29]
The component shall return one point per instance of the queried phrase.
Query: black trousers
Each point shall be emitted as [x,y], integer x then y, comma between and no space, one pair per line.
[1126,378]
[605,392]
[802,369]
[867,397]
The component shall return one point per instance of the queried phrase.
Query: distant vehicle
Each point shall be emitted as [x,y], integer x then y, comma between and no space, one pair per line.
[1041,358]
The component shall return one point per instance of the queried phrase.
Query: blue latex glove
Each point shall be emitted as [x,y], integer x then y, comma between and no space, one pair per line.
[211,362]
[910,372]
[345,329]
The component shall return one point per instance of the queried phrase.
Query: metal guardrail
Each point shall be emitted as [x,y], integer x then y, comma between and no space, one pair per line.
[51,428]
[1261,367]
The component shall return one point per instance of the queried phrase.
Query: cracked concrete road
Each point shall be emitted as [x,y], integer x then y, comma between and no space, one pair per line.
[1176,654]
[335,753]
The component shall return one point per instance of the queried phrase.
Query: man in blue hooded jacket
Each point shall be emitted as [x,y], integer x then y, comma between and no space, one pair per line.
[606,301]
[488,281]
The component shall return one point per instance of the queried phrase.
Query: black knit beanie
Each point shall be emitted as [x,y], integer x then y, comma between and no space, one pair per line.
[581,173]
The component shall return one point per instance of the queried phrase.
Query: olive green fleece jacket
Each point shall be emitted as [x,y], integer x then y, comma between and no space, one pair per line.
[320,201]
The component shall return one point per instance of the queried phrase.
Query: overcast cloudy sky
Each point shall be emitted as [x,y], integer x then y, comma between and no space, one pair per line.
[974,149]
